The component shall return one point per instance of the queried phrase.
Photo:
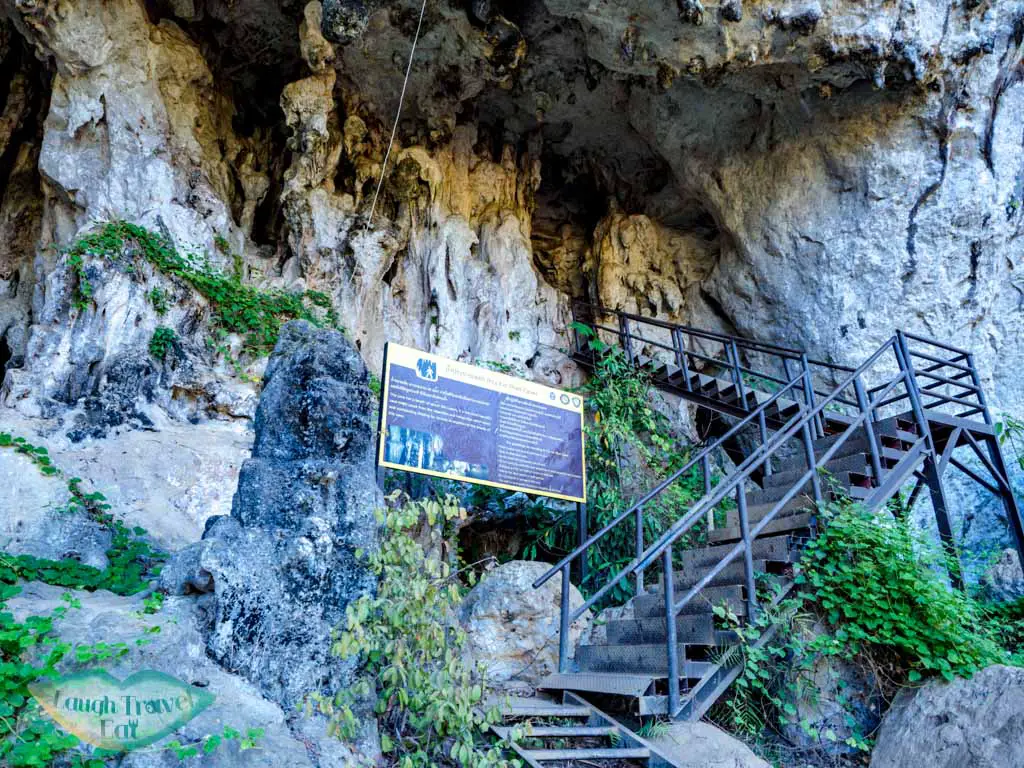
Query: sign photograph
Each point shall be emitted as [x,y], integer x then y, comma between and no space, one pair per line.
[449,419]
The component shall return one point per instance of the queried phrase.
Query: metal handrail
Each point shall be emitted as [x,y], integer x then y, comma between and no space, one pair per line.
[763,453]
[868,403]
[698,332]
[705,452]
[936,343]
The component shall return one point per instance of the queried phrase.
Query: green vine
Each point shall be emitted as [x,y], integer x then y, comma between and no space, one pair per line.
[239,308]
[427,700]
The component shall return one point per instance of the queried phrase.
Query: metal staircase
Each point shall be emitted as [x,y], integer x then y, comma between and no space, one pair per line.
[573,731]
[814,431]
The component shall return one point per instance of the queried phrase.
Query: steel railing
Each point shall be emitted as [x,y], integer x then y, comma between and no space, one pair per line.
[635,514]
[855,403]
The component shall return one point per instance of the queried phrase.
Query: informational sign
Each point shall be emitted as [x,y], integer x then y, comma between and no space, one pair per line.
[448,419]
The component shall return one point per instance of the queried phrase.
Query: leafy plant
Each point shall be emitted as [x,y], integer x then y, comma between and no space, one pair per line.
[238,308]
[429,705]
[163,340]
[876,585]
[159,299]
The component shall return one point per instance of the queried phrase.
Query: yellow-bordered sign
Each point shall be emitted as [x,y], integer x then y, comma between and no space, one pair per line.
[444,418]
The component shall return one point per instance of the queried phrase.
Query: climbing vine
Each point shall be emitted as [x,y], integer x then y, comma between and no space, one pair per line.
[255,314]
[430,705]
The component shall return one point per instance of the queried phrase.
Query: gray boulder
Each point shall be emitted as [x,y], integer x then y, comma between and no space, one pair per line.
[976,723]
[283,565]
[512,628]
[702,745]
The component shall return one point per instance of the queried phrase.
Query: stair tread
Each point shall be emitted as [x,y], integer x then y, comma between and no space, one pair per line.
[685,579]
[771,548]
[651,604]
[545,709]
[786,523]
[588,753]
[539,731]
[619,683]
[642,658]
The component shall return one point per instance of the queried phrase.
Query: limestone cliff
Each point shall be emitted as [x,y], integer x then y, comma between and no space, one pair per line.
[813,173]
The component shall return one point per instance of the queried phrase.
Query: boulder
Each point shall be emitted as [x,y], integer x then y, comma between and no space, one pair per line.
[283,565]
[836,699]
[35,521]
[512,628]
[976,723]
[702,745]
[1004,580]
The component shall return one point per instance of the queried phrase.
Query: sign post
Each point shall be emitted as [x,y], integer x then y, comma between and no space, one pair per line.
[448,419]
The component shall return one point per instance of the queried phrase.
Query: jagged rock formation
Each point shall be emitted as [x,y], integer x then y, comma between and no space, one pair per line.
[282,567]
[798,172]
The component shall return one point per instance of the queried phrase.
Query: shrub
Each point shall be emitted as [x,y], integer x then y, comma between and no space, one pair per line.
[163,340]
[429,705]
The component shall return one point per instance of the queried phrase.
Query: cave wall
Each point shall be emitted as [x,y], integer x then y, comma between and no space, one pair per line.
[808,173]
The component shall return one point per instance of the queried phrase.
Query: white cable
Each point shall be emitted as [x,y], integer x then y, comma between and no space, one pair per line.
[394,128]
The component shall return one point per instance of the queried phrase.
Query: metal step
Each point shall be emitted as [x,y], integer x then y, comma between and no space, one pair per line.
[559,731]
[778,549]
[591,753]
[882,430]
[697,629]
[541,708]
[733,573]
[596,682]
[648,659]
[796,522]
[652,630]
[652,604]
[786,477]
[758,512]
[854,446]
[772,493]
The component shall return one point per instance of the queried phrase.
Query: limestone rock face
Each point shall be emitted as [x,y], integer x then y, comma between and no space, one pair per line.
[977,722]
[282,567]
[136,128]
[177,649]
[512,628]
[1004,580]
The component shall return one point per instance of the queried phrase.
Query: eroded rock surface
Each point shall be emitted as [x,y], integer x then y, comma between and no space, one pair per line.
[282,567]
[512,629]
[702,745]
[977,722]
[176,649]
